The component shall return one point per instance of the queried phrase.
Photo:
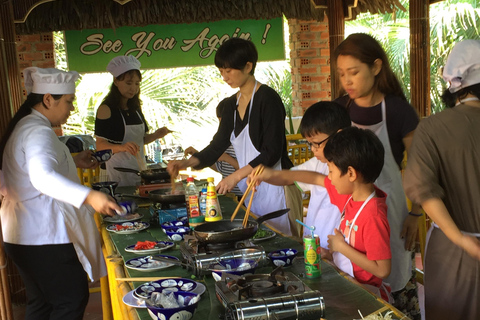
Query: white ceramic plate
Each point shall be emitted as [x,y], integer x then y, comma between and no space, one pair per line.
[147,264]
[132,227]
[130,300]
[269,236]
[126,218]
[161,246]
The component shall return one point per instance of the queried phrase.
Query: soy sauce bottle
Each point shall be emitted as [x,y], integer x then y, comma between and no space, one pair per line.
[195,217]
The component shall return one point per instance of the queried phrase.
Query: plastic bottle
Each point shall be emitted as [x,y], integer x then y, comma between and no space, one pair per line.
[214,213]
[193,204]
[203,201]
[157,157]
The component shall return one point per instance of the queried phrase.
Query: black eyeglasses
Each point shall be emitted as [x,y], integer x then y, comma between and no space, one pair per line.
[316,145]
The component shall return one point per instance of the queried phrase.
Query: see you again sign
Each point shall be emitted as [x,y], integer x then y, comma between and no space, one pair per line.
[168,46]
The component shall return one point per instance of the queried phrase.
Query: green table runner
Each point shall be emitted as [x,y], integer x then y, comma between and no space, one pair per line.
[343,298]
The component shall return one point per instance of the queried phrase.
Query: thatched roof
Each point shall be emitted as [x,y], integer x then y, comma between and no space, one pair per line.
[51,15]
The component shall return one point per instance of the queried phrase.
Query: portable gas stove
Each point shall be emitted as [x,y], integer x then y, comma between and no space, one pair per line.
[278,295]
[201,256]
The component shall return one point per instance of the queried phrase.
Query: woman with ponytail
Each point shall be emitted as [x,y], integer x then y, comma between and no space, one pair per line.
[47,215]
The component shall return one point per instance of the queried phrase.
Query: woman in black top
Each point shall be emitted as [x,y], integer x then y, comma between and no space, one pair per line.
[375,101]
[253,121]
[120,124]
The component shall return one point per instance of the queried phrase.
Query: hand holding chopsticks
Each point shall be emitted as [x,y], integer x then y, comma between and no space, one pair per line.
[258,171]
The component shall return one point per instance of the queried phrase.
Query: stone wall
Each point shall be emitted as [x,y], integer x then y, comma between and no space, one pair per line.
[310,62]
[36,50]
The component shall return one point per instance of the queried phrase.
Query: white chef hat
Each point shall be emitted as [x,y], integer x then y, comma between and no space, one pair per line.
[49,80]
[121,64]
[463,65]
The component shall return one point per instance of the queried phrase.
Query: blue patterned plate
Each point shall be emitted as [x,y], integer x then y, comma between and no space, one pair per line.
[160,246]
[147,264]
[165,285]
[128,227]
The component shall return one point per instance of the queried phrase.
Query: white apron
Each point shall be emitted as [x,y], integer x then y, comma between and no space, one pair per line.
[390,181]
[342,262]
[133,133]
[345,264]
[321,212]
[267,198]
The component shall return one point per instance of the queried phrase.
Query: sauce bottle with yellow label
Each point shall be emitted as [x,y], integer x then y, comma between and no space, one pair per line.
[213,212]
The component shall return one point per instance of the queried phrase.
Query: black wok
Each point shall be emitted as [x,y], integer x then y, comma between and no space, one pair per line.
[148,175]
[232,231]
[164,196]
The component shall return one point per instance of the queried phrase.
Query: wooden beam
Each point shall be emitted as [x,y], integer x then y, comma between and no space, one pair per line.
[7,37]
[10,86]
[336,31]
[420,56]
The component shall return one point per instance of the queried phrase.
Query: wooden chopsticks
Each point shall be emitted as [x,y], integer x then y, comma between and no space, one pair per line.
[172,181]
[250,186]
[245,218]
[140,162]
[144,278]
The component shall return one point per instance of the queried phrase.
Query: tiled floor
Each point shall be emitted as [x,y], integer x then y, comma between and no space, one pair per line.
[93,311]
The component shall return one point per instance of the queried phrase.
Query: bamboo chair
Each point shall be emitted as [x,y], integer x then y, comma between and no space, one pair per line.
[87,176]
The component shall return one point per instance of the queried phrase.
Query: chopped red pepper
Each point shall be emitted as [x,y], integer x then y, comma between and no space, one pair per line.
[145,245]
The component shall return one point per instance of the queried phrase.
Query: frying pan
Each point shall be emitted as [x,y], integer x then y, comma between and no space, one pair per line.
[148,175]
[163,196]
[232,231]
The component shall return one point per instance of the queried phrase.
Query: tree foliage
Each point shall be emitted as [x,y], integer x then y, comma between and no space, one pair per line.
[450,21]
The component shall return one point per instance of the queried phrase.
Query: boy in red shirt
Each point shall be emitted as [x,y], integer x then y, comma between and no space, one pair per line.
[361,247]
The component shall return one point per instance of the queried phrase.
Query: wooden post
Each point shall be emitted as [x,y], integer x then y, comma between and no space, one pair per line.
[420,56]
[336,30]
[9,93]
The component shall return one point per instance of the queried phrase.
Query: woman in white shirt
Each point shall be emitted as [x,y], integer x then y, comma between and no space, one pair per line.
[47,215]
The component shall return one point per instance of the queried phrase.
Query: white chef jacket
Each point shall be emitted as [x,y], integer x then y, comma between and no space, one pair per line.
[43,195]
[321,212]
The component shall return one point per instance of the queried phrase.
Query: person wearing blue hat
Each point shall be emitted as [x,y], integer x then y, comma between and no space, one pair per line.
[47,216]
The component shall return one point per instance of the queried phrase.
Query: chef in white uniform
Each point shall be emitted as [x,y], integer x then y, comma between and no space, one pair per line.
[47,215]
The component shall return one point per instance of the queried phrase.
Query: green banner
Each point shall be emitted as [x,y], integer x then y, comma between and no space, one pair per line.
[167,46]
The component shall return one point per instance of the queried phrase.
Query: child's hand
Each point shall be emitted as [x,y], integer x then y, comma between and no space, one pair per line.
[336,241]
[264,176]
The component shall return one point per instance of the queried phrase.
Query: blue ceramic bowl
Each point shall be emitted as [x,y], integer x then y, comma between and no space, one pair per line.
[177,233]
[283,257]
[234,266]
[175,223]
[107,187]
[103,155]
[188,302]
[166,285]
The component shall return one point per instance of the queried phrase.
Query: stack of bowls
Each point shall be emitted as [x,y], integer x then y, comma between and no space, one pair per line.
[177,233]
[188,302]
